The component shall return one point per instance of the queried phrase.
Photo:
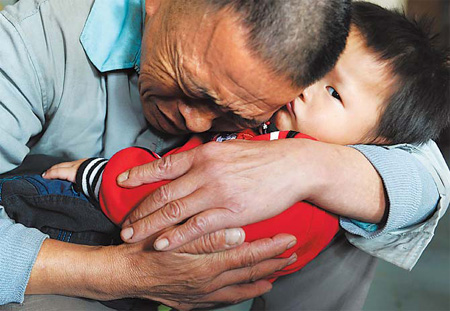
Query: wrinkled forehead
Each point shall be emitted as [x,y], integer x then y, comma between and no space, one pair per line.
[225,64]
[206,51]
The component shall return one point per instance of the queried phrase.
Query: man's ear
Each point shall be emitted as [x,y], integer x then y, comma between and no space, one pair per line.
[151,6]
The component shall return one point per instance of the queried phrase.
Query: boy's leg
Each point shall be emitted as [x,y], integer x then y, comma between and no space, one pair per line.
[53,206]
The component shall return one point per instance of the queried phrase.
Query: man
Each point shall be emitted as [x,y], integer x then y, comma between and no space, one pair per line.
[58,92]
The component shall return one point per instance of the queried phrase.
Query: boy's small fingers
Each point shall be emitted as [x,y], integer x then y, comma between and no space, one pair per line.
[62,164]
[66,173]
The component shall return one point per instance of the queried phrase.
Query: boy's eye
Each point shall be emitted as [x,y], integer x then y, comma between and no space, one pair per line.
[333,93]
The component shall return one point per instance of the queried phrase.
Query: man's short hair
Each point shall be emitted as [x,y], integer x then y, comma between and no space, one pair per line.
[300,39]
[419,107]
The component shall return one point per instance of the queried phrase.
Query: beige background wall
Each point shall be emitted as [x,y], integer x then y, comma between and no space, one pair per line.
[389,3]
[385,3]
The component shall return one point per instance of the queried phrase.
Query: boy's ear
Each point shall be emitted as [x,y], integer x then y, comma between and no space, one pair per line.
[151,6]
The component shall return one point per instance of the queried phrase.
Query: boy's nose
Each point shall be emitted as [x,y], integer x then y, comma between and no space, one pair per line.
[305,95]
[302,97]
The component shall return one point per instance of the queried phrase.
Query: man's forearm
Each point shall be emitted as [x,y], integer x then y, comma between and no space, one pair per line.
[342,180]
[176,279]
[73,270]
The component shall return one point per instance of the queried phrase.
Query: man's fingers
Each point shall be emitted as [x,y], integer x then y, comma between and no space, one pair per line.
[228,295]
[250,254]
[170,167]
[254,273]
[171,214]
[215,242]
[197,226]
[237,293]
[174,190]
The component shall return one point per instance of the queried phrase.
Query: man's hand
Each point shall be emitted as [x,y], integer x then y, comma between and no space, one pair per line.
[203,281]
[217,185]
[231,184]
[181,280]
[64,171]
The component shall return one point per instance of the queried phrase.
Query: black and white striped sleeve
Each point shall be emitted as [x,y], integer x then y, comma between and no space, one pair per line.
[89,177]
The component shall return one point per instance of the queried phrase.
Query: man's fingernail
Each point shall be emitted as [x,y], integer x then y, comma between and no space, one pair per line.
[234,236]
[43,174]
[127,233]
[292,244]
[161,244]
[292,259]
[122,177]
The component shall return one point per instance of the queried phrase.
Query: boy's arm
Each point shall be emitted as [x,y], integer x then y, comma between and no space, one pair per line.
[89,177]
[86,174]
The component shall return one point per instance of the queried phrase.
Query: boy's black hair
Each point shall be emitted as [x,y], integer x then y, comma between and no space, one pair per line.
[419,108]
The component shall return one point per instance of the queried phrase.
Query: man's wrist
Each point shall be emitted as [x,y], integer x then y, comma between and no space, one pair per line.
[76,270]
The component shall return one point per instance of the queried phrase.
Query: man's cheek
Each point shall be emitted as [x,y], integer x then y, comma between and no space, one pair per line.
[149,107]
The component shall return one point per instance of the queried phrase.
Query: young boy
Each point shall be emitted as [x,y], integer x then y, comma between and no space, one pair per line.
[389,86]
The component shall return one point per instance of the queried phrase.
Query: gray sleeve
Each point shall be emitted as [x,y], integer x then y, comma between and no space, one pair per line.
[22,100]
[417,181]
[19,249]
[22,109]
[411,192]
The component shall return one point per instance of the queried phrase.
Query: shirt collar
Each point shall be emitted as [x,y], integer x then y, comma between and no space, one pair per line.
[112,34]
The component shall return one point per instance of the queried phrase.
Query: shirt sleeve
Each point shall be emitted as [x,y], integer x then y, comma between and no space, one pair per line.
[19,248]
[22,116]
[417,183]
[411,192]
[89,178]
[22,104]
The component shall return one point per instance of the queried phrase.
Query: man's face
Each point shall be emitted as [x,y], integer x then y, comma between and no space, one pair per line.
[198,75]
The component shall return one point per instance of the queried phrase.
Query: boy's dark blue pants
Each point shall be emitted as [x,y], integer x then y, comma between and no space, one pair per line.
[53,206]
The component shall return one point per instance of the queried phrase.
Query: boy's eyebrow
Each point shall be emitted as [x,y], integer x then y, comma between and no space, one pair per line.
[337,73]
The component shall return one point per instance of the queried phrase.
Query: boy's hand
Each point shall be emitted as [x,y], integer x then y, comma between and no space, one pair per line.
[65,170]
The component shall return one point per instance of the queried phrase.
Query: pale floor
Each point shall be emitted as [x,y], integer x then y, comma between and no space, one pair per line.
[426,287]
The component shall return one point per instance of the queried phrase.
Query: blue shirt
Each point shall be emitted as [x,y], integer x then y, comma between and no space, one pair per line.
[53,101]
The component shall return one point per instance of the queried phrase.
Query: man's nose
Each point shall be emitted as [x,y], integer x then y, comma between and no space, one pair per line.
[198,118]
